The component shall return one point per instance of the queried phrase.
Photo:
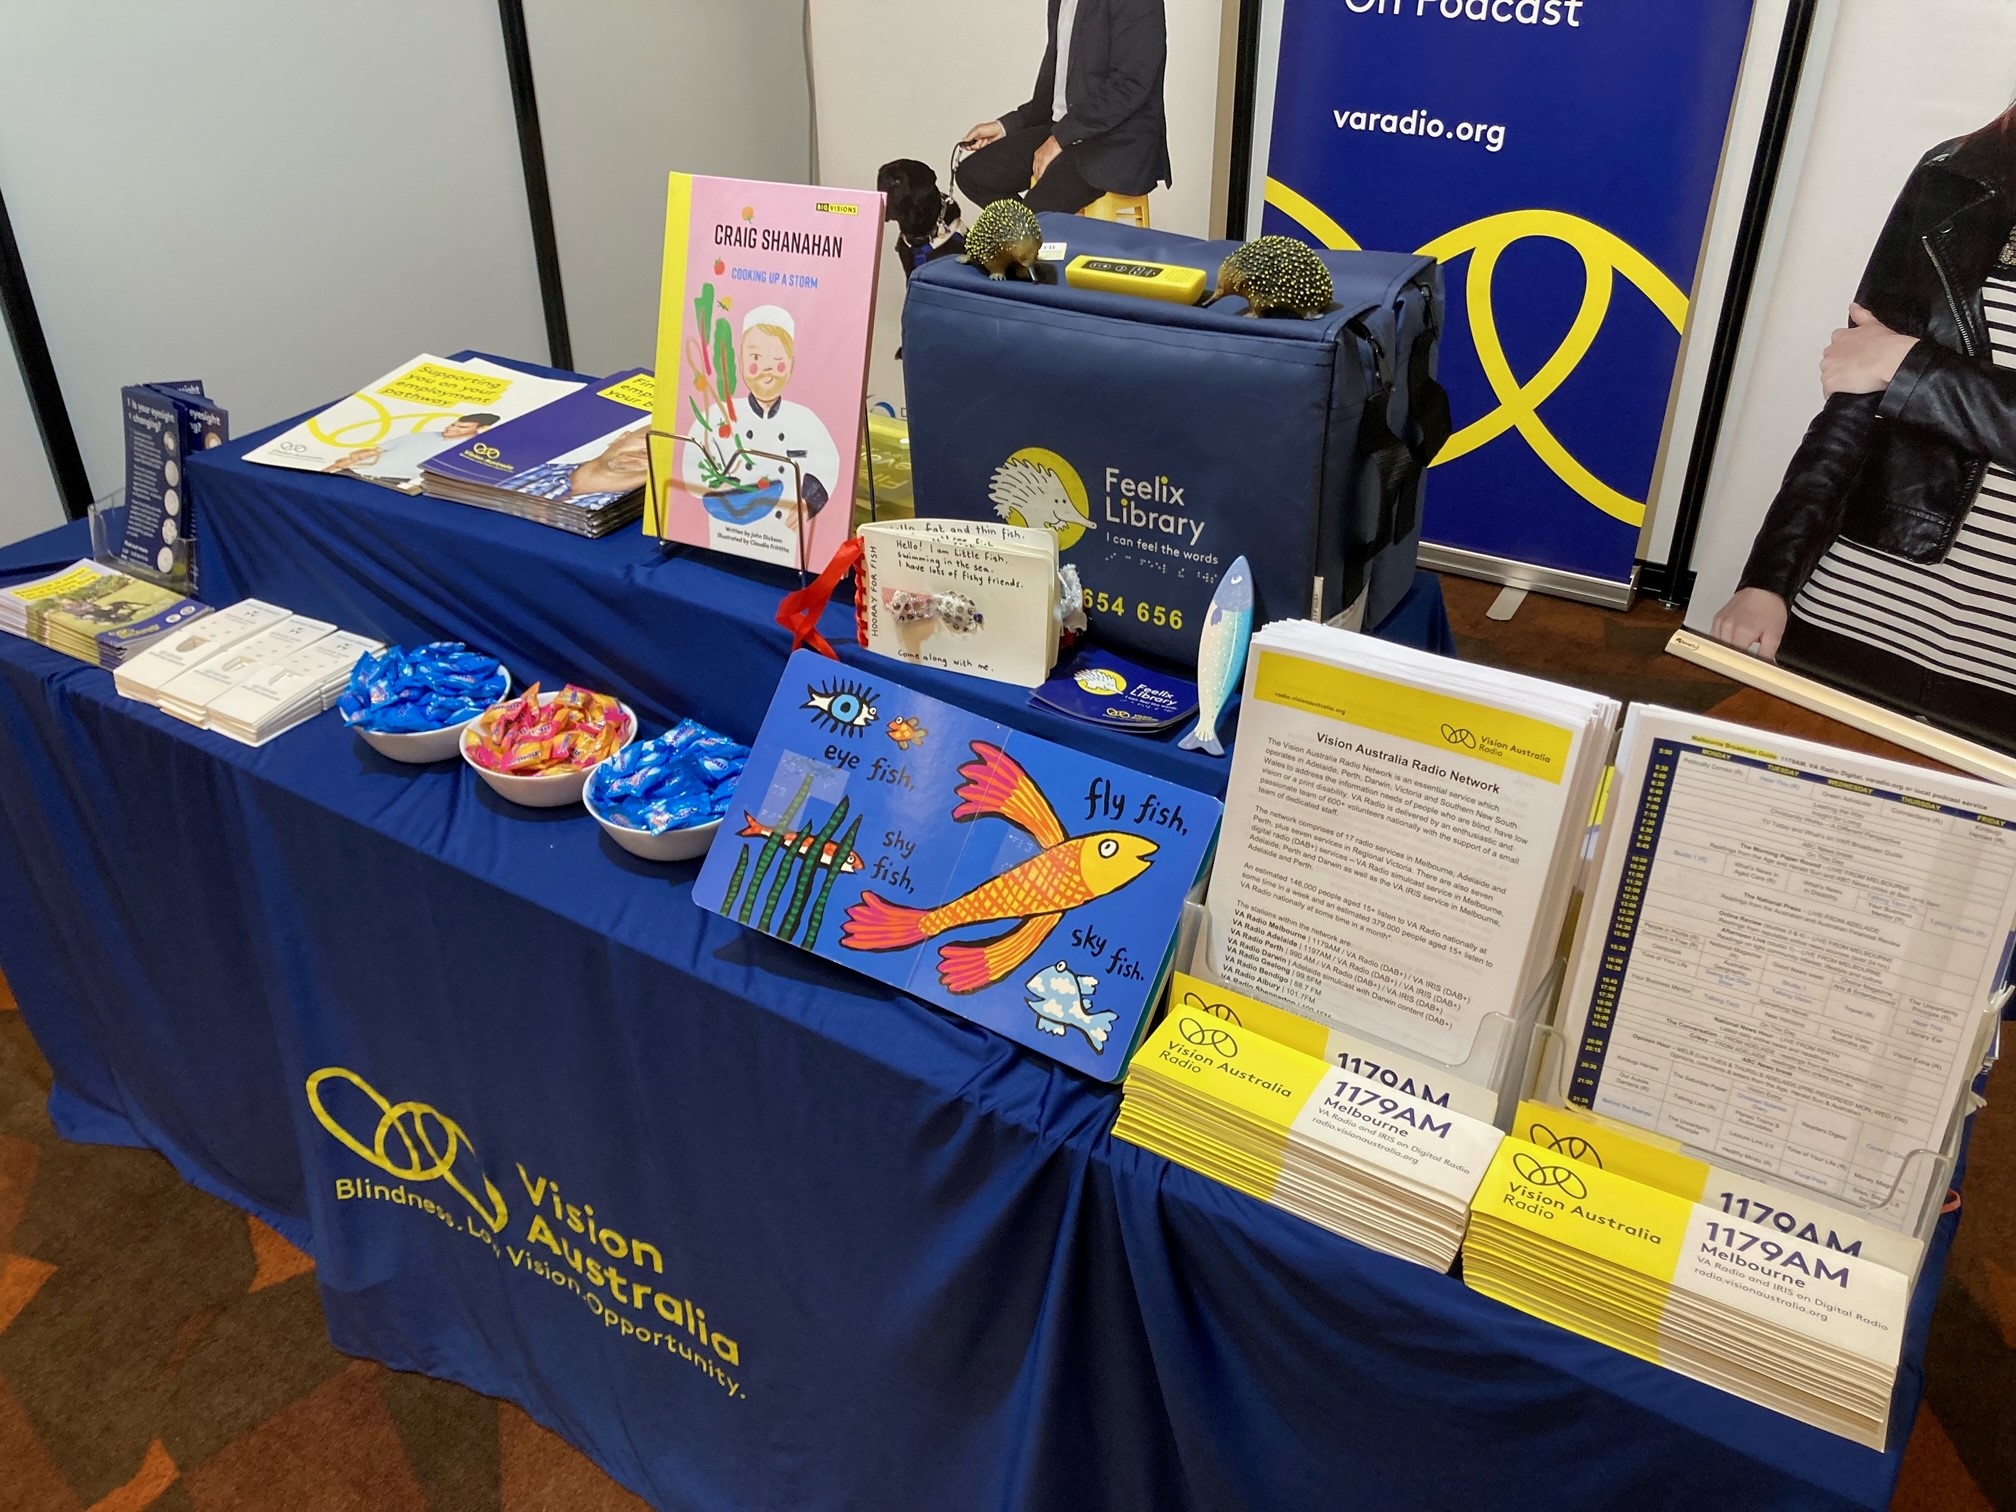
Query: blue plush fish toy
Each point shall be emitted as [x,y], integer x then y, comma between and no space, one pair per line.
[1221,655]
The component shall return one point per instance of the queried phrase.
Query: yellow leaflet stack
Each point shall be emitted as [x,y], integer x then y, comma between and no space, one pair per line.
[1805,1216]
[1796,1327]
[1391,1171]
[1365,1059]
[95,613]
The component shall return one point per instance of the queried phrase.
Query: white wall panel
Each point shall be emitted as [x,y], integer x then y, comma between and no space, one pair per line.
[28,498]
[283,199]
[630,90]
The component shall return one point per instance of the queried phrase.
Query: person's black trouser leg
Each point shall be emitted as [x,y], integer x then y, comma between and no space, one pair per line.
[1001,171]
[1062,186]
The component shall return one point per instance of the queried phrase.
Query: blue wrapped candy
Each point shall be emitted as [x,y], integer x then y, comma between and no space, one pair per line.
[684,778]
[402,692]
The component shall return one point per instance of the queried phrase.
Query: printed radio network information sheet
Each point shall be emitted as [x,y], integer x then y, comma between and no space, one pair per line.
[1401,832]
[1789,953]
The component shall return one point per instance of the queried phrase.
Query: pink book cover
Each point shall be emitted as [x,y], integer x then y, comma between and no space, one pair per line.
[763,327]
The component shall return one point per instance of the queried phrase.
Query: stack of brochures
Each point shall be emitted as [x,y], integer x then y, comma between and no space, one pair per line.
[264,673]
[276,698]
[1345,1151]
[386,431]
[97,614]
[1402,837]
[1789,1324]
[142,677]
[1790,958]
[166,424]
[579,464]
[1806,1216]
[1391,1069]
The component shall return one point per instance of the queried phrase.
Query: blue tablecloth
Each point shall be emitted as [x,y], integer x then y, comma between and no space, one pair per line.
[677,633]
[492,1073]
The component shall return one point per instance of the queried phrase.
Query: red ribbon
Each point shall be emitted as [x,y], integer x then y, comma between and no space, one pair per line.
[800,610]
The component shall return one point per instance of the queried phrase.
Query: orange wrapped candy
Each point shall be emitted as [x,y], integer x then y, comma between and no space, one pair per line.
[525,738]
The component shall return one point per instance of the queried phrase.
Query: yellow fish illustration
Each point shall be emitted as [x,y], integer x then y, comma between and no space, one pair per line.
[1036,894]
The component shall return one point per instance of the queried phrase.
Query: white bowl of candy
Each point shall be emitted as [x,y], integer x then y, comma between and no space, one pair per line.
[415,684]
[559,783]
[662,800]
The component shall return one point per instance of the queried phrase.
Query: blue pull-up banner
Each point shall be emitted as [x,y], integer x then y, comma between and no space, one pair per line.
[1560,156]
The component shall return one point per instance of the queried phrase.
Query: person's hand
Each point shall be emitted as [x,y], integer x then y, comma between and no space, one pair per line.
[1753,620]
[362,458]
[984,134]
[1045,156]
[1863,356]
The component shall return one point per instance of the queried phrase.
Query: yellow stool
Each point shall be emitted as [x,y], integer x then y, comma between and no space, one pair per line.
[1129,208]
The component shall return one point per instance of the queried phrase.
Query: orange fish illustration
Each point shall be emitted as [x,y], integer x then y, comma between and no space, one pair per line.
[1036,894]
[756,829]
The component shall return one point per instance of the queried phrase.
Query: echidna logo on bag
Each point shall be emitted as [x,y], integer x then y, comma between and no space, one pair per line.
[1039,489]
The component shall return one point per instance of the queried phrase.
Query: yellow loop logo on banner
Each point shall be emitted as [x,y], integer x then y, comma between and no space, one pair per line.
[429,1142]
[1604,256]
[377,427]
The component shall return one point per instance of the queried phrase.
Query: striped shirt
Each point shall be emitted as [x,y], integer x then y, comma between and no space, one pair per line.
[1956,617]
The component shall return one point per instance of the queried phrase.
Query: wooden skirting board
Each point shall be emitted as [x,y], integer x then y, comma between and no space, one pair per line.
[1872,719]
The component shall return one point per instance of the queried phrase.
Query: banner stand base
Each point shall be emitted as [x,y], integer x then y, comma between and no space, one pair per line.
[1568,585]
[1914,735]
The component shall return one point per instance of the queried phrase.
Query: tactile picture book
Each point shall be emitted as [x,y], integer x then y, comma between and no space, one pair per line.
[970,596]
[386,430]
[1027,887]
[763,319]
[578,463]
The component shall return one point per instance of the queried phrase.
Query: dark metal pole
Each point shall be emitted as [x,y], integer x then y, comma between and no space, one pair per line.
[538,196]
[1785,81]
[1245,86]
[38,376]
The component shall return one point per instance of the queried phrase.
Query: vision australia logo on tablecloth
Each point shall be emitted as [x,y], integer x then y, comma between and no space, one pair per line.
[567,1244]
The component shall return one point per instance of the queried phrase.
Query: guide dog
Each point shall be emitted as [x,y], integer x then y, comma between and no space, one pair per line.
[928,220]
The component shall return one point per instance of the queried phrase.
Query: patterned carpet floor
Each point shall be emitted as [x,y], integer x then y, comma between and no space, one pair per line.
[160,1350]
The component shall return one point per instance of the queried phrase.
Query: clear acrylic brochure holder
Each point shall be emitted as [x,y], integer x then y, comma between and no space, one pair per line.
[108,537]
[1497,1056]
[1916,1197]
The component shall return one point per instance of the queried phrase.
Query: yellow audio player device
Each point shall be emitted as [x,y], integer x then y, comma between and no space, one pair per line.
[1147,280]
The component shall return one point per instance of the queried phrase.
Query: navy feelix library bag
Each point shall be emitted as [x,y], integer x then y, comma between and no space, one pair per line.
[1161,440]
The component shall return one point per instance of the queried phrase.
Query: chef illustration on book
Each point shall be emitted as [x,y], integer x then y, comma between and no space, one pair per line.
[779,450]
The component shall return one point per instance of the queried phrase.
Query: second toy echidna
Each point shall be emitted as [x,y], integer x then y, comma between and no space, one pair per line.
[1006,235]
[1277,275]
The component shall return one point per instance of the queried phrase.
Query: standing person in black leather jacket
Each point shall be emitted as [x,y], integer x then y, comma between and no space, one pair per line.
[1887,563]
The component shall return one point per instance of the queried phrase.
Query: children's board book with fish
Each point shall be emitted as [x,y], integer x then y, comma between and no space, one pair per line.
[763,319]
[1027,887]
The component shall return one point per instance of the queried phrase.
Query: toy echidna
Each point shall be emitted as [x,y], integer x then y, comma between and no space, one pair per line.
[1277,275]
[1006,235]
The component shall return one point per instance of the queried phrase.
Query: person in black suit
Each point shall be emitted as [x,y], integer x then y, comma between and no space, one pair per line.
[1095,124]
